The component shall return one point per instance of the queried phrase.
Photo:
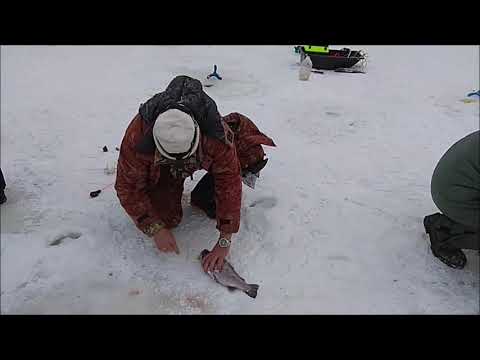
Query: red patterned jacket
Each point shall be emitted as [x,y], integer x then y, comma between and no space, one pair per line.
[139,175]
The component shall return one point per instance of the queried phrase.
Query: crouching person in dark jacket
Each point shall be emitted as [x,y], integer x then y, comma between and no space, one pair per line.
[455,189]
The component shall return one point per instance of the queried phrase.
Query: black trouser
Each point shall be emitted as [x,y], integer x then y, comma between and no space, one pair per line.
[455,189]
[2,181]
[203,195]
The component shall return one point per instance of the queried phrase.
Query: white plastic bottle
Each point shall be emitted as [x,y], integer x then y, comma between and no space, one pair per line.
[305,68]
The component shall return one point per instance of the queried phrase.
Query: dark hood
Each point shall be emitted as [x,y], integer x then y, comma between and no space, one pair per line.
[186,94]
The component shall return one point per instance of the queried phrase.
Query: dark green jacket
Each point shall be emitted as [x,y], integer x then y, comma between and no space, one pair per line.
[455,183]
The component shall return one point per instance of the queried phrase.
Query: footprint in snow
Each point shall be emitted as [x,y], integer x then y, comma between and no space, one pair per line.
[57,240]
[332,113]
[266,203]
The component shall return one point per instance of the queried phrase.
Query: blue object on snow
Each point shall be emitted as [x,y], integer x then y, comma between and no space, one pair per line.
[474,93]
[214,73]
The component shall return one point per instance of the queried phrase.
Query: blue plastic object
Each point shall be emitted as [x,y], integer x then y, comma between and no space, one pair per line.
[215,73]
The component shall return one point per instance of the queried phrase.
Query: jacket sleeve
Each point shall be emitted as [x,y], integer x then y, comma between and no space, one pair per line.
[248,140]
[225,169]
[132,186]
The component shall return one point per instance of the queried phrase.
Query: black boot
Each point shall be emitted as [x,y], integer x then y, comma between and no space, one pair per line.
[3,198]
[430,220]
[455,258]
[435,227]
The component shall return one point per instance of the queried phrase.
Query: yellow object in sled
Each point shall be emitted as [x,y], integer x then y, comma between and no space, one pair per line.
[469,101]
[317,49]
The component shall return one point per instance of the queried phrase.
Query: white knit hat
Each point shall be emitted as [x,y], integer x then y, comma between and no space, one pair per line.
[175,133]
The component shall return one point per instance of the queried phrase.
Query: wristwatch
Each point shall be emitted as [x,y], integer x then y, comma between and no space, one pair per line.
[224,242]
[152,229]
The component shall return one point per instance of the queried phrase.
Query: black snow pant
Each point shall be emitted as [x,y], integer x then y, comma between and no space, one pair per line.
[203,195]
[2,181]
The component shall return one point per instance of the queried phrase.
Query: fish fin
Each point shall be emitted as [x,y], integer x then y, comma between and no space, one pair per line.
[231,288]
[252,291]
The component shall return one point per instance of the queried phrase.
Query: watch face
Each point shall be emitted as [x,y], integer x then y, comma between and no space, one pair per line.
[223,242]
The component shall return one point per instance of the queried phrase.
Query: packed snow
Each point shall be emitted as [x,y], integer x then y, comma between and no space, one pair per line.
[334,225]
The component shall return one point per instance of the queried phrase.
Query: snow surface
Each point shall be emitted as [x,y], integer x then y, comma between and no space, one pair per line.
[333,226]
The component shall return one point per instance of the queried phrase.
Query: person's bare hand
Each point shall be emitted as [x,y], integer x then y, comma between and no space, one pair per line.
[165,241]
[215,259]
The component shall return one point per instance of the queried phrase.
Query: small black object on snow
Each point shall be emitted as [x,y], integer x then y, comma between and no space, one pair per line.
[117,149]
[95,193]
[105,149]
[349,70]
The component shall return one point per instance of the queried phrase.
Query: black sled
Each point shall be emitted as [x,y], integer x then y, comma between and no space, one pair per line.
[334,59]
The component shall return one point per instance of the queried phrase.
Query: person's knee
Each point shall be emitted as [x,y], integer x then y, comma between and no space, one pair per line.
[454,184]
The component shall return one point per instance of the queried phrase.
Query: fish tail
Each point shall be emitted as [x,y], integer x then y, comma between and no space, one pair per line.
[252,290]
